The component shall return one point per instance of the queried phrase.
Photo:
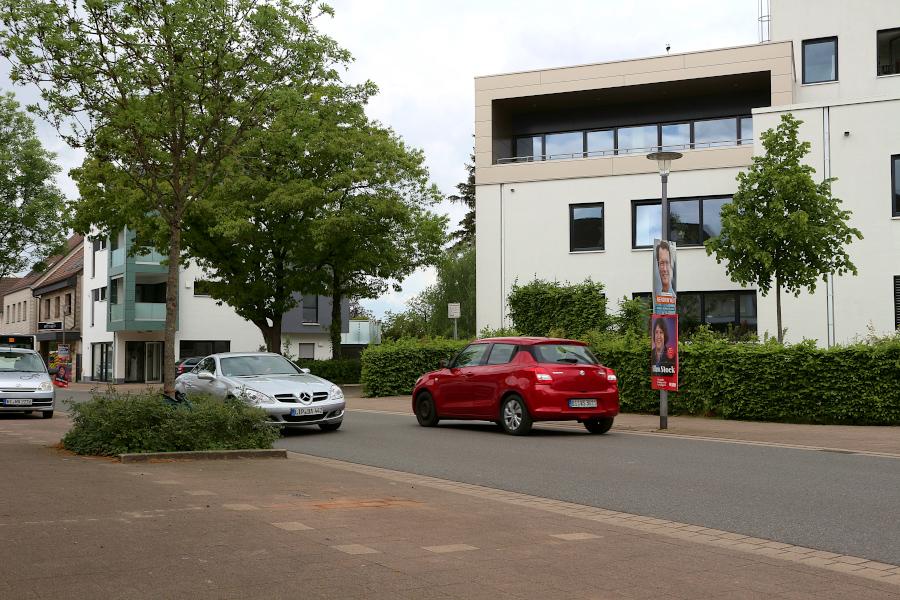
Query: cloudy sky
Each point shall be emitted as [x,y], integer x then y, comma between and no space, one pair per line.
[424,54]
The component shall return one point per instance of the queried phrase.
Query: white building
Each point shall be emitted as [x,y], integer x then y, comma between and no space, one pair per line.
[124,317]
[565,191]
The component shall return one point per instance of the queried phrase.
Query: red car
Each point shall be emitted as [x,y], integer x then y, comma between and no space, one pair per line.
[518,380]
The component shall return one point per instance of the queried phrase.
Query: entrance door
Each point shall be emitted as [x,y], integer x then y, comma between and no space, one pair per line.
[134,362]
[153,362]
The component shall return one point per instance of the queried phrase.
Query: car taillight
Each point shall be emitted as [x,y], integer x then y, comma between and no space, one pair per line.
[611,376]
[541,376]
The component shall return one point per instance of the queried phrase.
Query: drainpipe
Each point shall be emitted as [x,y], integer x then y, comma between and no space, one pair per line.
[829,279]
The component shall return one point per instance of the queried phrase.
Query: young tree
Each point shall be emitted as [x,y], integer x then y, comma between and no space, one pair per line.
[465,236]
[33,223]
[782,227]
[159,94]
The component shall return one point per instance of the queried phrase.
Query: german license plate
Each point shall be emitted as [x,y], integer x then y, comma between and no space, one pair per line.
[297,412]
[17,402]
[583,403]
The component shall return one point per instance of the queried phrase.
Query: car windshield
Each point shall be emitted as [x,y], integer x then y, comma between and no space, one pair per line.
[564,353]
[248,366]
[18,362]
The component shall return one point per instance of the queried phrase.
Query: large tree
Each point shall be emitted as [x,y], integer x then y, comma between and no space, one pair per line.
[783,229]
[33,221]
[160,94]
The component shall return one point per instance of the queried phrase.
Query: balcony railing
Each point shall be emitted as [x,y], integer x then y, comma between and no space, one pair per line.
[116,312]
[626,151]
[149,311]
[117,257]
[149,257]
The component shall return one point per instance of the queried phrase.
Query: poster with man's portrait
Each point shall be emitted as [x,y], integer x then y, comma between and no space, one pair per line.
[664,277]
[664,352]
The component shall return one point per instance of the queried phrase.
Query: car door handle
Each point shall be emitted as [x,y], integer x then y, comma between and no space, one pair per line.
[468,375]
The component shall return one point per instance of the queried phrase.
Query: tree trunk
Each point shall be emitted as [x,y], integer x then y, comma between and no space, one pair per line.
[271,334]
[171,309]
[778,308]
[335,328]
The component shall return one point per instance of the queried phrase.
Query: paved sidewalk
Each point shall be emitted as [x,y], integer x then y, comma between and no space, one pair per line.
[73,527]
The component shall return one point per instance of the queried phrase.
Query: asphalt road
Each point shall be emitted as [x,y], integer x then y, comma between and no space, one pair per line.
[843,503]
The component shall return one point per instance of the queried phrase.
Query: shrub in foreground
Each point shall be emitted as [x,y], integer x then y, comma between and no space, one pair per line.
[112,424]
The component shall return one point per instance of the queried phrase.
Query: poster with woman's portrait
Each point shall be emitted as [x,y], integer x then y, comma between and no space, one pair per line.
[664,352]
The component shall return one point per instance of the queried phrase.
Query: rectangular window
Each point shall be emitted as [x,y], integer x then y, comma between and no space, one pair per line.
[692,221]
[721,310]
[585,227]
[68,308]
[501,354]
[189,348]
[638,139]
[895,184]
[102,361]
[746,130]
[307,351]
[47,308]
[601,143]
[676,136]
[25,310]
[888,41]
[530,148]
[56,303]
[150,292]
[115,290]
[820,60]
[310,308]
[564,145]
[715,132]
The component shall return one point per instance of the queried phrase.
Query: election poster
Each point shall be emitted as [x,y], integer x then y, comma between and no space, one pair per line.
[664,352]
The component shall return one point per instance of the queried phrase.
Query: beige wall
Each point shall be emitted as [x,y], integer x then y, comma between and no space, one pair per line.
[72,320]
[19,312]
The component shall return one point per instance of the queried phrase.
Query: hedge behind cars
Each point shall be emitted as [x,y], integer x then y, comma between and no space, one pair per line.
[855,384]
[338,370]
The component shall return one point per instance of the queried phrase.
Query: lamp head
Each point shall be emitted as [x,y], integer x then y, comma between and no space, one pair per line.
[664,160]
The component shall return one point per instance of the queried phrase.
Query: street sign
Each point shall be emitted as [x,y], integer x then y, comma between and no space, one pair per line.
[49,325]
[453,310]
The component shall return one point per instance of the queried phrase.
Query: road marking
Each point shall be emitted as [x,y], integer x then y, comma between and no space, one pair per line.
[667,435]
[449,548]
[878,571]
[200,493]
[574,537]
[356,549]
[292,526]
[168,482]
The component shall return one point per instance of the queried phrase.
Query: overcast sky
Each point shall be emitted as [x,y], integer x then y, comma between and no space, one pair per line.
[424,55]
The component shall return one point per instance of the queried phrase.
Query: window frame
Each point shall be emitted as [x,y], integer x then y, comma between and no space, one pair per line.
[878,56]
[455,361]
[658,202]
[304,308]
[895,197]
[737,294]
[819,40]
[572,208]
[490,352]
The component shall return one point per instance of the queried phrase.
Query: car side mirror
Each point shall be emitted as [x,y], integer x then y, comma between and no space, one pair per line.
[206,376]
[305,371]
[442,363]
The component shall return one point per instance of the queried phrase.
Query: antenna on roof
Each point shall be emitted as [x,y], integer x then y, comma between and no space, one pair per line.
[668,47]
[764,21]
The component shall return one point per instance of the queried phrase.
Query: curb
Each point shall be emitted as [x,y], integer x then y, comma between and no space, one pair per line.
[202,455]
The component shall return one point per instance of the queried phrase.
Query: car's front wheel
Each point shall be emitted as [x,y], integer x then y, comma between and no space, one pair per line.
[426,411]
[330,426]
[514,417]
[47,414]
[599,426]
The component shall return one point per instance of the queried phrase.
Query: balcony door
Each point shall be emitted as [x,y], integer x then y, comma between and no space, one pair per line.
[153,363]
[143,362]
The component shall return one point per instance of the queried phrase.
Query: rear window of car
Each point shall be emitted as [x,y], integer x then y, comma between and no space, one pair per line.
[563,354]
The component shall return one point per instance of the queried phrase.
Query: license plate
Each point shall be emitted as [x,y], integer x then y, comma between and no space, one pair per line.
[297,412]
[583,403]
[17,402]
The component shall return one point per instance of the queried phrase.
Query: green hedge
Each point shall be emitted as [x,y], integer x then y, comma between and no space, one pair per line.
[854,384]
[342,370]
[550,308]
[392,368]
[112,424]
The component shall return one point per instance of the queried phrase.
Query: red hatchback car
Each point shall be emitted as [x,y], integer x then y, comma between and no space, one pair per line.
[516,381]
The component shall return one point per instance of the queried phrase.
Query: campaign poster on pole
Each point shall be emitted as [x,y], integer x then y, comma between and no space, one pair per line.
[664,296]
[664,352]
[61,360]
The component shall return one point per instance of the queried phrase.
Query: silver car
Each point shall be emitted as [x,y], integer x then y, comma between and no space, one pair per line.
[290,395]
[25,384]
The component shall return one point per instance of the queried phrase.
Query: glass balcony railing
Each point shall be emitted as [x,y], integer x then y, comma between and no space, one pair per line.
[149,257]
[150,311]
[116,312]
[117,257]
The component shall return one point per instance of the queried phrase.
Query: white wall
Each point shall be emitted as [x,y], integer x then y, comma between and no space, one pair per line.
[321,340]
[93,277]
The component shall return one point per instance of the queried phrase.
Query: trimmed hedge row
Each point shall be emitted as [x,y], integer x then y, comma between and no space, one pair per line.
[392,368]
[855,384]
[342,370]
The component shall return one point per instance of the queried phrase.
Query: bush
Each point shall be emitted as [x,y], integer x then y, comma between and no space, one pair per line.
[542,307]
[112,424]
[341,370]
[801,383]
[392,368]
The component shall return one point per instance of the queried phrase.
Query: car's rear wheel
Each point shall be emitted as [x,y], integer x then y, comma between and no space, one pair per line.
[47,414]
[514,417]
[599,426]
[426,412]
[330,426]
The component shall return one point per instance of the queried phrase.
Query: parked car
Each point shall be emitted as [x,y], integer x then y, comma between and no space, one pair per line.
[186,364]
[517,381]
[25,384]
[291,396]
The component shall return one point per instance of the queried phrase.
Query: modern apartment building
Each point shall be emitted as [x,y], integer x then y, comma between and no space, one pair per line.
[124,317]
[564,190]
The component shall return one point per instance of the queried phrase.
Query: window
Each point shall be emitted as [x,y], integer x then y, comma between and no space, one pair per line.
[715,132]
[56,303]
[307,351]
[692,221]
[201,287]
[601,143]
[310,308]
[564,145]
[637,139]
[721,310]
[895,184]
[207,364]
[820,60]
[154,293]
[102,357]
[585,227]
[470,356]
[68,308]
[888,41]
[25,310]
[188,348]
[746,130]
[47,308]
[501,354]
[96,246]
[530,148]
[676,136]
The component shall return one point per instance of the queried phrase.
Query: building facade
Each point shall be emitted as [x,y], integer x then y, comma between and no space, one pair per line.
[564,190]
[124,317]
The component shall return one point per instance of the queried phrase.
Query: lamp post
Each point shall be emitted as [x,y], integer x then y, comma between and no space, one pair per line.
[664,163]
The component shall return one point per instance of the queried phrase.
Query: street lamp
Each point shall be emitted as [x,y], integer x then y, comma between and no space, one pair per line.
[664,162]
